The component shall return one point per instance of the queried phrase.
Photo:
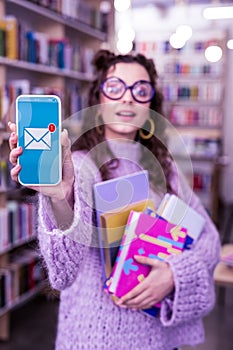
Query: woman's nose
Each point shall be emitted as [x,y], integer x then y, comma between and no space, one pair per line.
[127,97]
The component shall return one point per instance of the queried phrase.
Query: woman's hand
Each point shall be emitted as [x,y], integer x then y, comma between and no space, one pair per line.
[64,190]
[153,289]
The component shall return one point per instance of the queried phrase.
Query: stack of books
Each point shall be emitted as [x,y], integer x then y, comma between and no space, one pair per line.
[129,225]
[114,199]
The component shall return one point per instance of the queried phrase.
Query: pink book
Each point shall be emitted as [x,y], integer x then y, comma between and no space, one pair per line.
[145,235]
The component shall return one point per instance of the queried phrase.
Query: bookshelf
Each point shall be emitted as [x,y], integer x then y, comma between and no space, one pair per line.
[45,47]
[193,90]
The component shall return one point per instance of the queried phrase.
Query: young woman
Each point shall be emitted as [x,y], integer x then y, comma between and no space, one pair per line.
[122,134]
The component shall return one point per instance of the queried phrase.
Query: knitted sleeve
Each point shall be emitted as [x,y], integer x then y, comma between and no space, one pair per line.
[194,295]
[64,251]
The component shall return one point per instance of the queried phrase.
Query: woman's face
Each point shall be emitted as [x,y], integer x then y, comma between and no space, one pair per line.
[123,117]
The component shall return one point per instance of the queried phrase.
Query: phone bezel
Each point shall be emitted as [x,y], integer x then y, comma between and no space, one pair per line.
[33,96]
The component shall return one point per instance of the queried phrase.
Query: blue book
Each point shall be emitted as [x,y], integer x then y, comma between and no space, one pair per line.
[176,211]
[116,195]
[32,47]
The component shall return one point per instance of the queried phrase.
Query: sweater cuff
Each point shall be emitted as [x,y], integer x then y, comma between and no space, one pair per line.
[193,296]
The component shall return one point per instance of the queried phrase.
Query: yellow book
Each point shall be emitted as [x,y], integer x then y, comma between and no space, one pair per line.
[9,25]
[11,37]
[113,227]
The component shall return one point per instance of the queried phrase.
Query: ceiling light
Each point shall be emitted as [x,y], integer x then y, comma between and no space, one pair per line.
[223,12]
[105,7]
[122,5]
[213,53]
[176,41]
[126,33]
[184,31]
[230,44]
[124,46]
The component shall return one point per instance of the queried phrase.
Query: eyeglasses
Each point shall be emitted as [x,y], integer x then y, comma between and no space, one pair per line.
[114,88]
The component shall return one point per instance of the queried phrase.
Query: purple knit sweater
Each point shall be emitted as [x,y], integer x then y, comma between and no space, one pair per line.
[88,319]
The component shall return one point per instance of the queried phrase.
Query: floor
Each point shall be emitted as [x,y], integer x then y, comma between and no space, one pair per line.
[33,326]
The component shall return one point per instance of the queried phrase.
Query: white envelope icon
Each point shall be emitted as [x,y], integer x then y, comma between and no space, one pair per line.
[37,138]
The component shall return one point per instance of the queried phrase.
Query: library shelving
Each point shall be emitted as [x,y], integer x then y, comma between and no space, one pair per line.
[46,47]
[21,272]
[193,90]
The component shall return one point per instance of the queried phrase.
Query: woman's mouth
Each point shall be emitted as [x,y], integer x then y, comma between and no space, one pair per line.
[126,114]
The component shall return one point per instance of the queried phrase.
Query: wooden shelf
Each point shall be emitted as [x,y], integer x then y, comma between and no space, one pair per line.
[201,132]
[21,299]
[40,68]
[66,21]
[223,274]
[174,77]
[18,244]
[192,102]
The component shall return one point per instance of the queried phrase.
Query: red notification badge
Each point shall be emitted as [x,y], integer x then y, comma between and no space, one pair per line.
[52,127]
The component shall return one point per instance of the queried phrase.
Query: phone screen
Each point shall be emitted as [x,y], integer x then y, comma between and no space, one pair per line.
[38,119]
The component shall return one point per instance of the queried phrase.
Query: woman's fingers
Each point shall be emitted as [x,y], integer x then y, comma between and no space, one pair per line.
[12,126]
[15,172]
[68,169]
[65,141]
[13,136]
[14,154]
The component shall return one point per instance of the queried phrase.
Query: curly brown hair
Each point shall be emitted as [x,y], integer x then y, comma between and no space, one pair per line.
[91,135]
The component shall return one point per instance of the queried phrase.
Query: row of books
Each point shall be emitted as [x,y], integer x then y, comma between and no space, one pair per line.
[129,225]
[202,181]
[156,47]
[43,49]
[22,274]
[73,100]
[203,91]
[202,146]
[76,9]
[193,70]
[5,180]
[17,223]
[17,41]
[193,116]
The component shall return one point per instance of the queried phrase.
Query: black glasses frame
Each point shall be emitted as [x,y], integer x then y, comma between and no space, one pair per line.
[126,87]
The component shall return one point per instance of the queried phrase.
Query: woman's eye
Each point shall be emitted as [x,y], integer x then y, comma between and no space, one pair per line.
[142,92]
[113,89]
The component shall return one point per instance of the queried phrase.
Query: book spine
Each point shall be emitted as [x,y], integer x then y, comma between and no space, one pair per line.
[128,235]
[31,54]
[11,37]
[2,42]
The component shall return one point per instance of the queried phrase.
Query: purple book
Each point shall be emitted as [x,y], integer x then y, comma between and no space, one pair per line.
[115,195]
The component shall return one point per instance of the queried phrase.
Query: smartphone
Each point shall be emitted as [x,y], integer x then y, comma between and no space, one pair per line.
[38,121]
